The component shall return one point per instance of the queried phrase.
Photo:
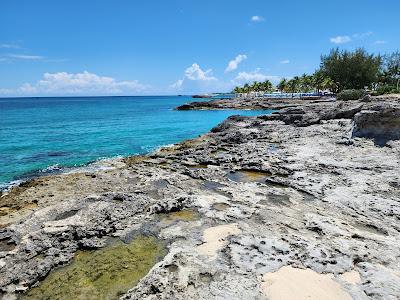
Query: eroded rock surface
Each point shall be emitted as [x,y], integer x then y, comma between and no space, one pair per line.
[291,191]
[381,122]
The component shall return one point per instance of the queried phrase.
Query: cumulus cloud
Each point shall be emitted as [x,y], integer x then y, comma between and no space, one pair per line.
[233,64]
[195,80]
[256,75]
[341,39]
[257,19]
[84,83]
[285,62]
[194,72]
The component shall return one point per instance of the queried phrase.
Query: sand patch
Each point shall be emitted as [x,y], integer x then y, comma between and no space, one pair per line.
[215,238]
[352,277]
[301,284]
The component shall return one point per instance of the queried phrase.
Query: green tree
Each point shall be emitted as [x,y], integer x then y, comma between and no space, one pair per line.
[282,85]
[238,90]
[329,84]
[246,88]
[305,83]
[351,70]
[294,84]
[391,70]
[317,81]
[267,86]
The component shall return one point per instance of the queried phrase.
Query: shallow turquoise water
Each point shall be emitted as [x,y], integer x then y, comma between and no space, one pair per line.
[37,133]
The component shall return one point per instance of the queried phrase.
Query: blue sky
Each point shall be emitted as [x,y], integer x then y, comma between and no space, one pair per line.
[126,47]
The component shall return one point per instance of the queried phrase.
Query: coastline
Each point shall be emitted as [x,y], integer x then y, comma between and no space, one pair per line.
[307,162]
[251,103]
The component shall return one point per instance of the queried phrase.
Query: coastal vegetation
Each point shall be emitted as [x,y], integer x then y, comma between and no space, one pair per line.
[265,86]
[341,70]
[351,94]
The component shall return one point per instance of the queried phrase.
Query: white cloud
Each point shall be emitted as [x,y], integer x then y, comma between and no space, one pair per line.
[363,34]
[233,64]
[257,19]
[9,46]
[177,85]
[285,62]
[85,83]
[256,75]
[343,39]
[340,39]
[196,80]
[194,72]
[25,57]
[380,42]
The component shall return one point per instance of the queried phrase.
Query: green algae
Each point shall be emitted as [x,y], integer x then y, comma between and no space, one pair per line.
[248,176]
[101,274]
[182,215]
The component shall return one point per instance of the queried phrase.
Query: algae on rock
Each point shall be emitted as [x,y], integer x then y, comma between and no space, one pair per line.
[101,274]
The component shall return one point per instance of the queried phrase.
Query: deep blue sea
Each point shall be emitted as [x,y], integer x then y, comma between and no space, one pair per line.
[39,134]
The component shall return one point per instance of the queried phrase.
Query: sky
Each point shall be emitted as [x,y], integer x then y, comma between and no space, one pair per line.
[127,47]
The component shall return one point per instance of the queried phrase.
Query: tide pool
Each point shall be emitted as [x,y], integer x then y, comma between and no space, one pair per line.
[53,133]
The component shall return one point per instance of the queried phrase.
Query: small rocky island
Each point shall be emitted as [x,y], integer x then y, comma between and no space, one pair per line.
[304,202]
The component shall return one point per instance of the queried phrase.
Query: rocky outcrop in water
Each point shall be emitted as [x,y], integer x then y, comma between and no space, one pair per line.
[297,194]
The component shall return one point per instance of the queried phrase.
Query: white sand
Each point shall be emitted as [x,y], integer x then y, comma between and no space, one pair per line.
[352,277]
[214,238]
[289,283]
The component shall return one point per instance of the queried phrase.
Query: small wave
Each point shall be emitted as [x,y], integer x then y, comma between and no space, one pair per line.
[6,187]
[101,164]
[51,169]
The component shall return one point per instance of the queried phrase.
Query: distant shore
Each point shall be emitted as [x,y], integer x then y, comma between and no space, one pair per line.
[253,103]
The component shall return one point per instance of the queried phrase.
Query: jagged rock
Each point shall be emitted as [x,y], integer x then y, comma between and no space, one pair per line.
[381,124]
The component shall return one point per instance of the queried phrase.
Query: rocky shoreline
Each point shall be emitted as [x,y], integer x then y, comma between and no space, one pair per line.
[255,103]
[309,193]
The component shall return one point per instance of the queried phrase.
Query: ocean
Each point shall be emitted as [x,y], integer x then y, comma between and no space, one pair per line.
[44,135]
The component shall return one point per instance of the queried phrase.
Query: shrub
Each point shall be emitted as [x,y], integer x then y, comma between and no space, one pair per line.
[386,89]
[351,95]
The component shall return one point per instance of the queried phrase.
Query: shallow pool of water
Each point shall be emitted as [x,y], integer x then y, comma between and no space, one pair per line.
[101,274]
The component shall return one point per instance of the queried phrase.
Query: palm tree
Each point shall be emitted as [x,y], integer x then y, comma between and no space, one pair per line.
[238,90]
[296,84]
[256,86]
[306,83]
[317,81]
[246,88]
[267,86]
[329,84]
[282,85]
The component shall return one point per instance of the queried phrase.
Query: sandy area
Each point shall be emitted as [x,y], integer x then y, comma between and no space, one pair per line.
[301,284]
[352,277]
[215,238]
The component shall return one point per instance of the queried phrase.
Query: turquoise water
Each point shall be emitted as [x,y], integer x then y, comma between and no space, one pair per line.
[38,133]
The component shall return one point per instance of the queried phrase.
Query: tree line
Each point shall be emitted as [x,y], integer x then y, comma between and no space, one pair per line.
[341,70]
